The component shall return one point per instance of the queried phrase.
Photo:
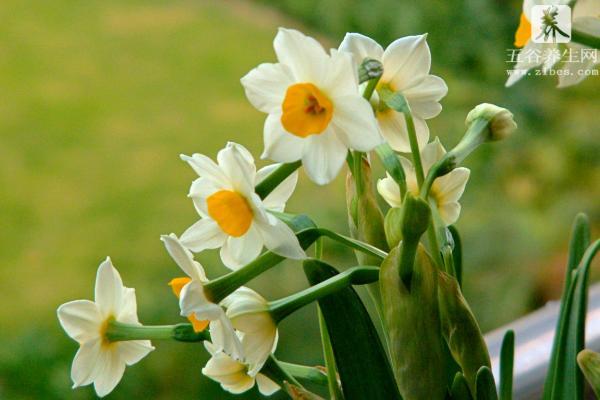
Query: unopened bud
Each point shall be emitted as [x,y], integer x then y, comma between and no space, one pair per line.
[501,123]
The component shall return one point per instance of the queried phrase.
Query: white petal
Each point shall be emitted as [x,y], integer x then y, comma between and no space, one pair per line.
[204,234]
[193,301]
[361,47]
[110,376]
[183,258]
[406,61]
[341,77]
[109,288]
[449,188]
[126,311]
[394,131]
[574,76]
[265,385]
[239,251]
[280,239]
[225,338]
[280,145]
[280,195]
[200,190]
[323,157]
[81,319]
[266,86]
[526,61]
[134,350]
[424,96]
[355,123]
[237,163]
[390,191]
[302,54]
[431,153]
[205,167]
[449,212]
[85,363]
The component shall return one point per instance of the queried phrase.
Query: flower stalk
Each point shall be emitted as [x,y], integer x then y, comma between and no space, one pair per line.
[362,275]
[118,331]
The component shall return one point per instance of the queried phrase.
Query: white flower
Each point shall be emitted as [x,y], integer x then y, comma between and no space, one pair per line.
[249,314]
[585,17]
[406,64]
[193,301]
[315,109]
[98,360]
[233,216]
[446,190]
[233,375]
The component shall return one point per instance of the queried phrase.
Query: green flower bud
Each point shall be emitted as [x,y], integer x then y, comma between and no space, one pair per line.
[500,120]
[413,323]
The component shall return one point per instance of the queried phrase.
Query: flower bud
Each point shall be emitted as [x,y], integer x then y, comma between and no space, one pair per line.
[500,120]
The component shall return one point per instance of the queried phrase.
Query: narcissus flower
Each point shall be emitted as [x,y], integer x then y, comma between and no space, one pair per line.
[98,360]
[233,216]
[446,190]
[585,17]
[249,314]
[235,376]
[194,302]
[316,112]
[406,64]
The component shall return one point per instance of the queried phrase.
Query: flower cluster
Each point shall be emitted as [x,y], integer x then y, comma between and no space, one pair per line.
[321,113]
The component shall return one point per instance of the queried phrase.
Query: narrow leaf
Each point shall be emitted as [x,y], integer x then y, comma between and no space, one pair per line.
[460,388]
[564,380]
[457,253]
[486,388]
[361,360]
[507,354]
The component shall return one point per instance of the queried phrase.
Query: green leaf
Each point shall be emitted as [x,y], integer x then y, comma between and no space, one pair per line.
[460,388]
[335,392]
[361,360]
[413,324]
[457,253]
[486,387]
[507,355]
[589,362]
[564,380]
[460,329]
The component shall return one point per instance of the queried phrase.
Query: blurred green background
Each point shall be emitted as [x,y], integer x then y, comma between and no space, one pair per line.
[99,98]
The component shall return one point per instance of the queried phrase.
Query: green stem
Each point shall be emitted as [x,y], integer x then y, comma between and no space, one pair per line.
[267,185]
[275,371]
[414,145]
[335,392]
[118,331]
[281,308]
[585,39]
[304,373]
[319,248]
[219,288]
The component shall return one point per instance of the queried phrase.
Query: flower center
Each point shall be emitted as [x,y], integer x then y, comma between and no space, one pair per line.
[523,33]
[306,110]
[231,212]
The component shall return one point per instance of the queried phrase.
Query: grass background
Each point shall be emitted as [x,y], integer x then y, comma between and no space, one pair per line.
[99,99]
